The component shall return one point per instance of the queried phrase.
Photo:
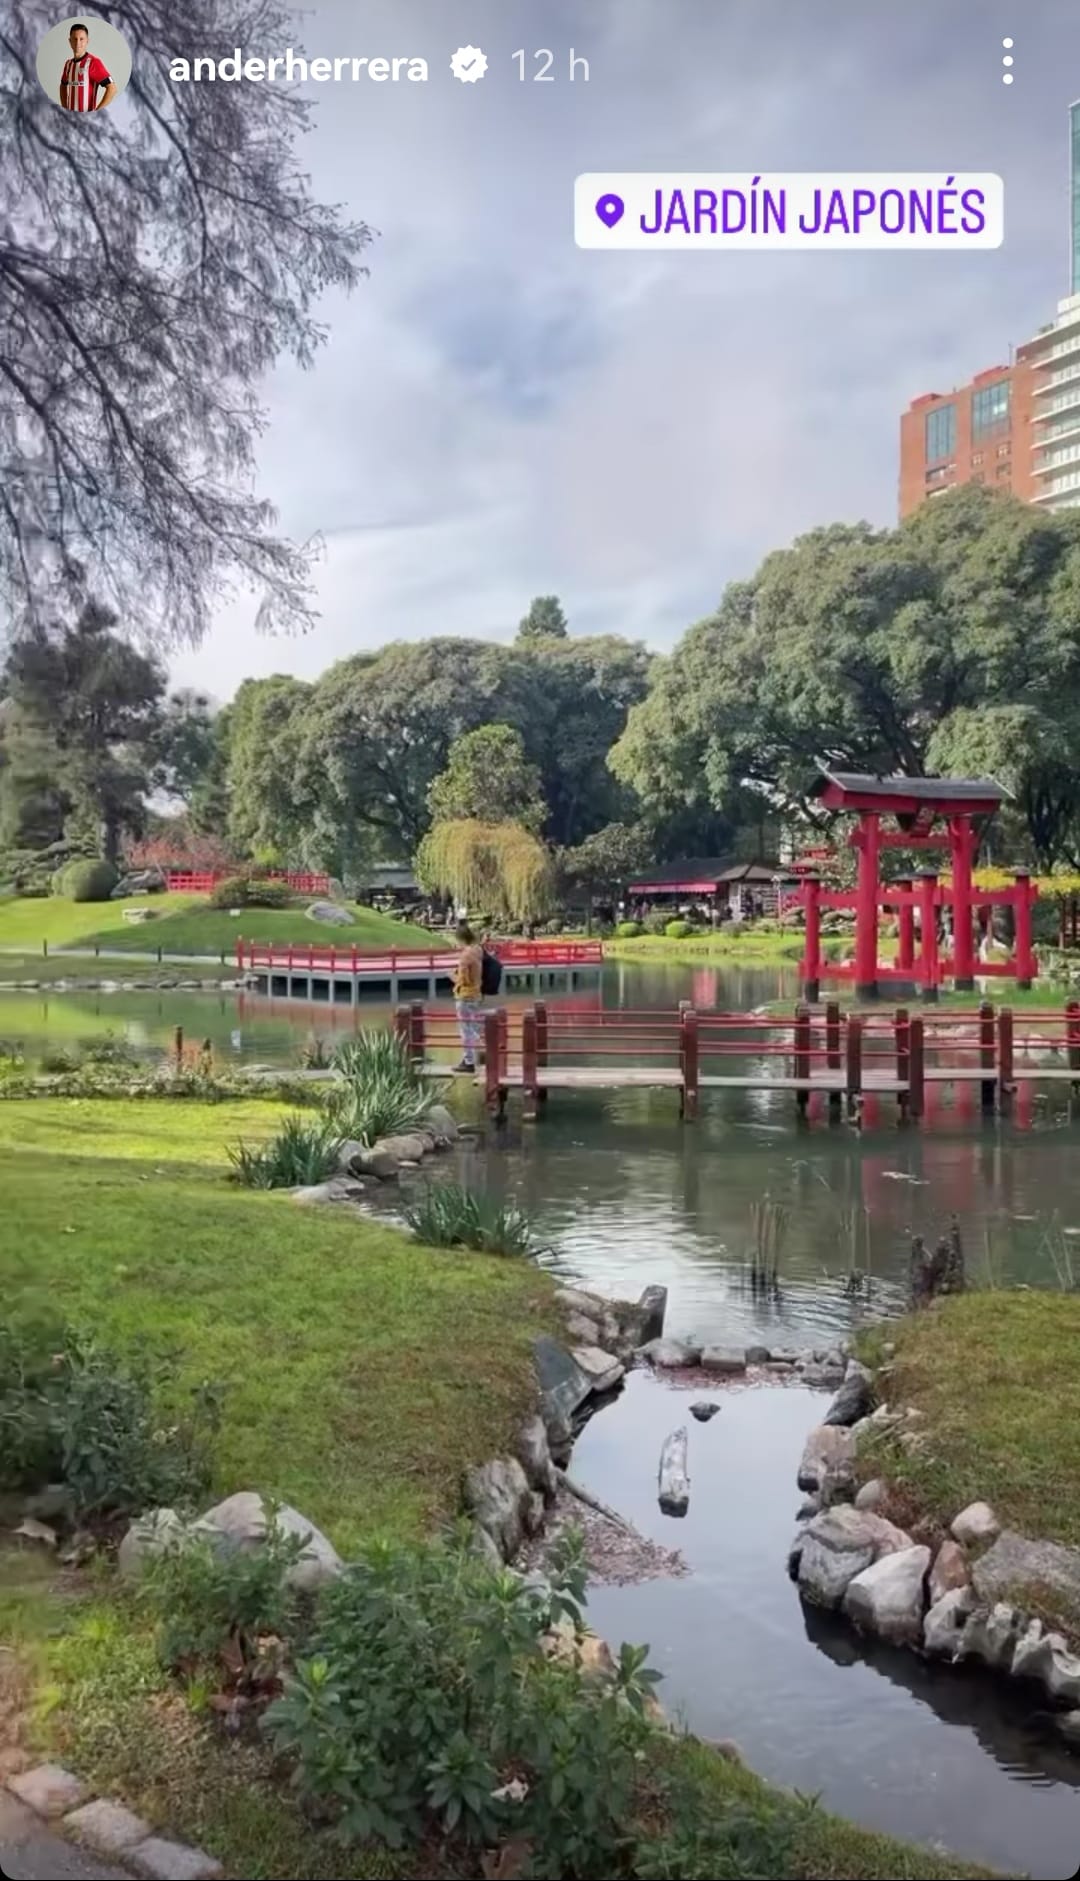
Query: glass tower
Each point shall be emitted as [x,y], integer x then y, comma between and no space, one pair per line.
[1074,197]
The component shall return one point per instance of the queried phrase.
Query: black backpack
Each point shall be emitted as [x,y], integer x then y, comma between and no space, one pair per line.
[490,972]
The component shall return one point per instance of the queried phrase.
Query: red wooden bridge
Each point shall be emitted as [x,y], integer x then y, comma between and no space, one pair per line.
[334,975]
[846,1056]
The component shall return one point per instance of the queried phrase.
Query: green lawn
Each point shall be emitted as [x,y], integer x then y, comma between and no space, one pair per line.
[185,924]
[996,1374]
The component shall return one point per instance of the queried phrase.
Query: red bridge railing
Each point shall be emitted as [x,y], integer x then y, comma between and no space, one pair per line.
[204,881]
[255,956]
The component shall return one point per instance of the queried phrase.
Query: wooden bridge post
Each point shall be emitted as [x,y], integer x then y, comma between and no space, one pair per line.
[902,1036]
[178,1045]
[417,1040]
[854,1062]
[402,1017]
[541,1048]
[1005,1054]
[987,1054]
[494,1083]
[239,955]
[801,1061]
[916,1067]
[689,1042]
[529,1084]
[833,1059]
[1072,1034]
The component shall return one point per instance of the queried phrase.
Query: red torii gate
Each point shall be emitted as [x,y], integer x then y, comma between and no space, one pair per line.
[923,813]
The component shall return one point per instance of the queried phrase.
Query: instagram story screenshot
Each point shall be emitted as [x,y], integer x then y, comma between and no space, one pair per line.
[540,939]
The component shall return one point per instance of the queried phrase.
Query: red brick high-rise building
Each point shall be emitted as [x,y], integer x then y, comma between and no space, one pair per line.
[979,433]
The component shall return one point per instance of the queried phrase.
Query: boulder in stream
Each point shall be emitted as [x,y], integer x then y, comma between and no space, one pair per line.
[703,1409]
[674,1479]
[1045,1657]
[889,1599]
[855,1397]
[836,1545]
[945,1622]
[670,1354]
[828,1447]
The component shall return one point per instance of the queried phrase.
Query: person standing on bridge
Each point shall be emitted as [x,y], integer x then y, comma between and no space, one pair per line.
[468,992]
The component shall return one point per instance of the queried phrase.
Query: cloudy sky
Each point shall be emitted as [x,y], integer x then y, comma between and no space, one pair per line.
[498,413]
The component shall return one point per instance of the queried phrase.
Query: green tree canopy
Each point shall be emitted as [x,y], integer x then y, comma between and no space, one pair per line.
[488,779]
[545,620]
[268,815]
[864,648]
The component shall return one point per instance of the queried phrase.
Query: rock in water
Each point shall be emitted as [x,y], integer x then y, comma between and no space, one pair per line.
[838,1544]
[651,1309]
[950,1570]
[534,1455]
[991,1635]
[888,1597]
[720,1358]
[829,1447]
[240,1522]
[945,1622]
[855,1397]
[703,1410]
[442,1123]
[674,1480]
[670,1354]
[599,1366]
[1046,1658]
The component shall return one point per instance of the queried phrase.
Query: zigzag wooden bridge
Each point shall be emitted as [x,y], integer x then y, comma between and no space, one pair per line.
[847,1056]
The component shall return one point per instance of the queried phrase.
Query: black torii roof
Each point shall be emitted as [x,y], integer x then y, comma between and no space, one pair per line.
[865,790]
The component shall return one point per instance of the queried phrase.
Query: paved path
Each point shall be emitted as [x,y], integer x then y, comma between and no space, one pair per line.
[29,1851]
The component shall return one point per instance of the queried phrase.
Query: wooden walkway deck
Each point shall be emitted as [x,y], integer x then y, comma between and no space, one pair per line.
[845,1056]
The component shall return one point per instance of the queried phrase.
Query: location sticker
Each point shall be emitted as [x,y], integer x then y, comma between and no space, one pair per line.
[610,210]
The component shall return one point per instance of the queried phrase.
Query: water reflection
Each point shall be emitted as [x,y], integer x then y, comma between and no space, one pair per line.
[900,1745]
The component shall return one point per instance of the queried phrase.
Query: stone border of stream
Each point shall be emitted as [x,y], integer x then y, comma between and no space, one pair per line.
[947,1599]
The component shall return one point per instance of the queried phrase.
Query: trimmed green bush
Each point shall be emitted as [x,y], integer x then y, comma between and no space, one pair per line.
[628,930]
[678,930]
[250,891]
[89,880]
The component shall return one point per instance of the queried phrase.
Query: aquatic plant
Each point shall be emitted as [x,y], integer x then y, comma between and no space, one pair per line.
[769,1223]
[302,1153]
[1056,1245]
[380,1093]
[446,1215]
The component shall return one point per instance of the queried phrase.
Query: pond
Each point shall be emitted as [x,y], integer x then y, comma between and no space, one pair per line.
[624,1195]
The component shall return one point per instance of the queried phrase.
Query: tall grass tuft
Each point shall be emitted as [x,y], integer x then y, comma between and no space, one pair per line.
[379,1093]
[447,1215]
[769,1223]
[301,1154]
[1057,1246]
[854,1222]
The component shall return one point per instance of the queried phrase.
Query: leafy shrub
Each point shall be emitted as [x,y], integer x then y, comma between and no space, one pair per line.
[72,1412]
[210,1600]
[380,1093]
[315,1054]
[250,891]
[656,921]
[628,930]
[88,880]
[446,1215]
[60,1060]
[429,1701]
[108,1050]
[678,930]
[304,1152]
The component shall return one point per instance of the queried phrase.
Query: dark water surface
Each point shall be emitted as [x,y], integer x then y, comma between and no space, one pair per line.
[625,1195]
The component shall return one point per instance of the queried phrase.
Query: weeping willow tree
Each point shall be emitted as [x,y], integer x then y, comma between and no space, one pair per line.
[501,868]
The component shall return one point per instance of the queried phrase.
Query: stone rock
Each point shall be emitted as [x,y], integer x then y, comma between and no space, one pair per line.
[838,1544]
[240,1522]
[564,1388]
[534,1455]
[836,1484]
[945,1621]
[107,1828]
[976,1523]
[49,1789]
[757,1355]
[564,1644]
[828,1446]
[324,1194]
[404,1149]
[150,1535]
[828,1376]
[330,912]
[888,1597]
[138,882]
[377,1162]
[674,1480]
[889,1348]
[722,1359]
[950,1571]
[871,1495]
[158,1859]
[808,1509]
[1045,1657]
[581,1330]
[990,1634]
[1014,1562]
[670,1354]
[443,1124]
[650,1312]
[496,1494]
[703,1409]
[1068,1723]
[603,1372]
[854,1398]
[585,1305]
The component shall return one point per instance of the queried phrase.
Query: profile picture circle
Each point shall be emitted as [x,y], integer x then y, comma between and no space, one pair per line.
[83,63]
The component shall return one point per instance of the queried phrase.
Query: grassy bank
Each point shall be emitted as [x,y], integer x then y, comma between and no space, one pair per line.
[184,924]
[743,947]
[996,1375]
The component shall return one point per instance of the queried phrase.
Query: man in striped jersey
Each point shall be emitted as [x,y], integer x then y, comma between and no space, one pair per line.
[84,75]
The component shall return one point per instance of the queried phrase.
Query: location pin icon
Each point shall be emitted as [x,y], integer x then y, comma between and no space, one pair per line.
[610,209]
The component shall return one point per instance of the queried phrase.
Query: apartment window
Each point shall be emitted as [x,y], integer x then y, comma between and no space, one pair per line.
[976,457]
[940,473]
[1004,470]
[990,408]
[1003,450]
[940,433]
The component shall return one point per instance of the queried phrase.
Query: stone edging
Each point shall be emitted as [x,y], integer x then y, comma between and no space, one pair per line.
[948,1602]
[100,1827]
